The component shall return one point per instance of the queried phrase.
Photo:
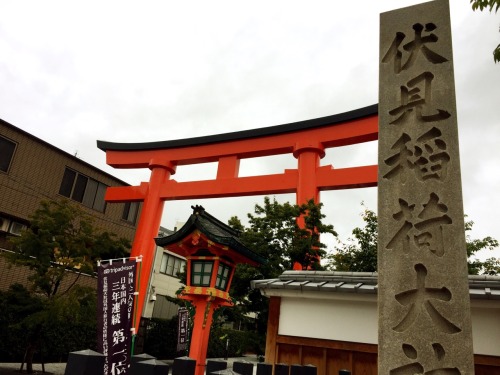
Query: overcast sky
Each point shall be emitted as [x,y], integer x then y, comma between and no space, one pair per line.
[75,72]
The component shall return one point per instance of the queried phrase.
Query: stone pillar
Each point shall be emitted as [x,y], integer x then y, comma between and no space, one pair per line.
[84,362]
[214,365]
[281,369]
[243,367]
[423,295]
[184,366]
[264,369]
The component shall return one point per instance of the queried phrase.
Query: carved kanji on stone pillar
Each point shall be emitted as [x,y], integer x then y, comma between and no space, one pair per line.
[424,308]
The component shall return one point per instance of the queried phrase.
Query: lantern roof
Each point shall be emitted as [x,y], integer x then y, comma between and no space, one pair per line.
[215,231]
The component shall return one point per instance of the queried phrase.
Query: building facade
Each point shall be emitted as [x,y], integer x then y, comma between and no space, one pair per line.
[164,282]
[32,170]
[340,330]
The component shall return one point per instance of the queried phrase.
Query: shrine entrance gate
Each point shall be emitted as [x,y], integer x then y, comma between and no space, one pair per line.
[306,140]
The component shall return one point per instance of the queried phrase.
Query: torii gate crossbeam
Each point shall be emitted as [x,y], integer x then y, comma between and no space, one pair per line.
[306,140]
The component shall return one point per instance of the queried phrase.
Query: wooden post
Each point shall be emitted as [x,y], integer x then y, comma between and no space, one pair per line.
[272,328]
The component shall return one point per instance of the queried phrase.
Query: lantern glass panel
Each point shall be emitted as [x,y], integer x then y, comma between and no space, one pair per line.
[197,267]
[202,272]
[222,276]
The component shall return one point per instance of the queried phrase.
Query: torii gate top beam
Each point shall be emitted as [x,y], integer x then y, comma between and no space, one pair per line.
[350,128]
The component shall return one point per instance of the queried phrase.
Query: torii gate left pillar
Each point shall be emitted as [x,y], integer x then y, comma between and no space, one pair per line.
[149,222]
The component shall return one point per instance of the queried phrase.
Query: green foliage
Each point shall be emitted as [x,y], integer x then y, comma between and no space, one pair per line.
[240,342]
[490,5]
[360,253]
[274,234]
[485,4]
[56,329]
[62,237]
[490,266]
[17,305]
[161,338]
[69,324]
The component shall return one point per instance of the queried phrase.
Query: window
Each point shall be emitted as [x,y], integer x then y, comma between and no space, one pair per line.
[171,265]
[4,224]
[201,272]
[16,228]
[83,189]
[11,226]
[130,212]
[7,148]
[222,276]
[67,182]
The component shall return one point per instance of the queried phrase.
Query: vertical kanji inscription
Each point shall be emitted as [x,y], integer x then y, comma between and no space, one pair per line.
[424,309]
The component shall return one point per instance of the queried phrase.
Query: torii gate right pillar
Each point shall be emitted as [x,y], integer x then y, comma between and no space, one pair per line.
[308,160]
[308,157]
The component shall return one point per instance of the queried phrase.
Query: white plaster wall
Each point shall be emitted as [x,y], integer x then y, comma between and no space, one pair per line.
[486,327]
[344,320]
[354,318]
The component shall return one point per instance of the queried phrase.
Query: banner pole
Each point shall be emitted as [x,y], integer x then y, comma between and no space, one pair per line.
[134,333]
[132,348]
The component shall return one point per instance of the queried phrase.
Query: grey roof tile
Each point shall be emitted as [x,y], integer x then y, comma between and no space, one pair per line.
[480,286]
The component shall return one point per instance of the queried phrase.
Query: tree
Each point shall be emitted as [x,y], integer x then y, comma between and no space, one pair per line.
[274,233]
[491,4]
[492,265]
[61,237]
[360,253]
[17,304]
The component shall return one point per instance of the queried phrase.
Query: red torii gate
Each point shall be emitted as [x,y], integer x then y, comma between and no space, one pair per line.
[306,140]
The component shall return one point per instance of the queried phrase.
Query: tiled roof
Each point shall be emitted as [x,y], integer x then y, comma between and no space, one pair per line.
[480,287]
[214,229]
